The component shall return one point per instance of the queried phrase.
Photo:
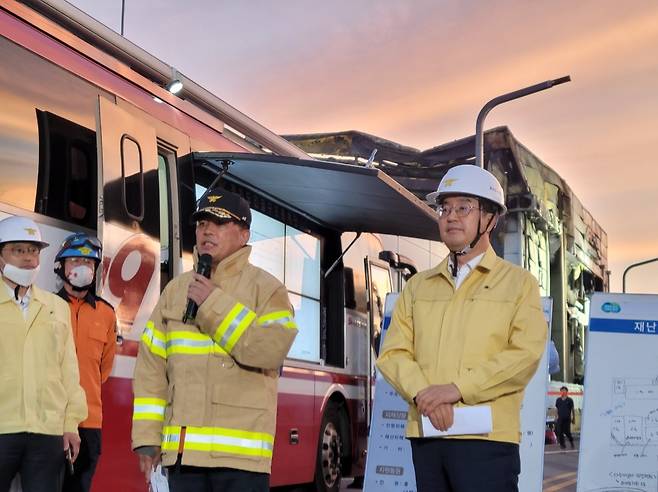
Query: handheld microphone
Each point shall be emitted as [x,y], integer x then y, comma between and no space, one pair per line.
[202,268]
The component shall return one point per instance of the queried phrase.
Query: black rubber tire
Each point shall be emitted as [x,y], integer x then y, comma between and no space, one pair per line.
[333,449]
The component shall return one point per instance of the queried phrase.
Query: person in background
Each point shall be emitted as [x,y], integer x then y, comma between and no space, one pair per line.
[41,401]
[94,332]
[566,416]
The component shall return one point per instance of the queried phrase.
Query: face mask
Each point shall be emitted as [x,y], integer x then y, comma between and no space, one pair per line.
[81,276]
[21,276]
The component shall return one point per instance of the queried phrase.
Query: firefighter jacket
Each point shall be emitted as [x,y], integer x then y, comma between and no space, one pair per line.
[208,388]
[94,332]
[486,337]
[39,381]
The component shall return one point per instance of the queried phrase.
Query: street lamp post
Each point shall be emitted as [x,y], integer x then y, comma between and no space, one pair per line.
[123,14]
[640,263]
[479,137]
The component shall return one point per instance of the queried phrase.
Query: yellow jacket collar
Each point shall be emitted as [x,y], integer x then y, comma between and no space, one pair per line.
[487,263]
[35,293]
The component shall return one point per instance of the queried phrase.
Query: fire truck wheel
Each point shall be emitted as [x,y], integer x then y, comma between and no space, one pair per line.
[332,449]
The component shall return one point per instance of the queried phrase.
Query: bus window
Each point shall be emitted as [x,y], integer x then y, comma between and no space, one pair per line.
[302,278]
[66,184]
[132,177]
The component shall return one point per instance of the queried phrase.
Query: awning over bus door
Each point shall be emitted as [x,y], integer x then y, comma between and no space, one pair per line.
[342,197]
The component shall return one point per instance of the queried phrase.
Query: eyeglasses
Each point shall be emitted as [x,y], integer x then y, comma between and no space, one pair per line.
[461,211]
[79,240]
[23,251]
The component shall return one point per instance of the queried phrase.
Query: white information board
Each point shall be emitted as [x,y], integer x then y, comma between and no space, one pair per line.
[389,467]
[619,434]
[533,419]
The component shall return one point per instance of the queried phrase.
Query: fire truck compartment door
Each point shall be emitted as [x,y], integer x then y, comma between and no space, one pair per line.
[344,197]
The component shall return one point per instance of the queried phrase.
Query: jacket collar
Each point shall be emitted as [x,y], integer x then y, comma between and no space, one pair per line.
[89,298]
[229,266]
[35,293]
[487,263]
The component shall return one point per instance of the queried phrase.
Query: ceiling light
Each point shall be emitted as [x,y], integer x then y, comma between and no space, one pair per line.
[175,86]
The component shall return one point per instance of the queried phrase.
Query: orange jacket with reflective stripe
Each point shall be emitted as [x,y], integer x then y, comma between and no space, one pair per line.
[94,332]
[217,376]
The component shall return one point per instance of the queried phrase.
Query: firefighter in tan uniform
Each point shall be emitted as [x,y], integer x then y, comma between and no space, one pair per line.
[41,401]
[206,390]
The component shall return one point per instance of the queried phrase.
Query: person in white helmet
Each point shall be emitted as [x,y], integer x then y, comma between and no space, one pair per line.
[41,401]
[468,332]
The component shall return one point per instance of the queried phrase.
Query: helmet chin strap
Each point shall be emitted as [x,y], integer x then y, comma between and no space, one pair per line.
[469,247]
[83,288]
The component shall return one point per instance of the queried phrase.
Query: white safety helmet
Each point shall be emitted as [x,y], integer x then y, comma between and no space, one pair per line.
[470,180]
[20,229]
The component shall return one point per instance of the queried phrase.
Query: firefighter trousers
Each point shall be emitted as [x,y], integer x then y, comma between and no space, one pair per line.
[198,479]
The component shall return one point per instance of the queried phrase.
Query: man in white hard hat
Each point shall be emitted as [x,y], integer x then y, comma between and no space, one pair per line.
[468,332]
[41,401]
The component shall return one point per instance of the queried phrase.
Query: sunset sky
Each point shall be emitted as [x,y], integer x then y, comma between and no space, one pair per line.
[418,71]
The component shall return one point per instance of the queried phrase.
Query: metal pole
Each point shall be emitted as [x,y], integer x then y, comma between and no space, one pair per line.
[479,136]
[123,14]
[623,278]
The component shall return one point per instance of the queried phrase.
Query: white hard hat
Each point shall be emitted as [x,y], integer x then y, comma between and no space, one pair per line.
[20,229]
[470,180]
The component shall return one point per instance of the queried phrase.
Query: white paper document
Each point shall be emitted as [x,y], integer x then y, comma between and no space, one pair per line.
[468,420]
[159,482]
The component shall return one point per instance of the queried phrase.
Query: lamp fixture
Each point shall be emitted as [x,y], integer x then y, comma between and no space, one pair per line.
[175,85]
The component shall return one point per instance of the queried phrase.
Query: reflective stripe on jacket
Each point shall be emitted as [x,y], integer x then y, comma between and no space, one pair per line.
[39,380]
[486,337]
[216,377]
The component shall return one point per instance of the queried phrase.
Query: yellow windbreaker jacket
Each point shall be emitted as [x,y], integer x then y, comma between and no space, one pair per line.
[486,337]
[218,377]
[39,381]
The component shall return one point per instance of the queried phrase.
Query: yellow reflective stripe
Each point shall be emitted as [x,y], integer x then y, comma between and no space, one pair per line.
[233,326]
[226,448]
[150,401]
[239,330]
[148,416]
[284,318]
[226,322]
[275,316]
[219,439]
[187,342]
[170,438]
[231,441]
[224,431]
[154,339]
[149,409]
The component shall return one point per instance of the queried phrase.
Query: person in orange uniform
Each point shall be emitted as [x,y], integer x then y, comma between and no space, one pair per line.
[94,331]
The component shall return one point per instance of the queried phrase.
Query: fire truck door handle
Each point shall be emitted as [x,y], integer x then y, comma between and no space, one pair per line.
[294,436]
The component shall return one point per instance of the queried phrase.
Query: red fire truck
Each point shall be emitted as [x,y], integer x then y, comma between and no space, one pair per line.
[93,141]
